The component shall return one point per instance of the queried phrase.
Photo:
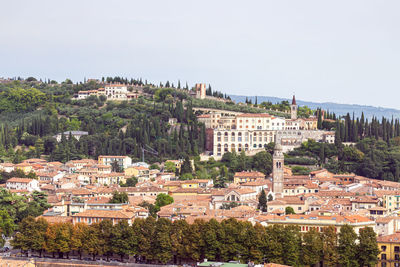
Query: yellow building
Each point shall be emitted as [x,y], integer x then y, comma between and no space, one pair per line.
[25,167]
[389,246]
[137,171]
[189,184]
[172,185]
[131,171]
[392,201]
[246,176]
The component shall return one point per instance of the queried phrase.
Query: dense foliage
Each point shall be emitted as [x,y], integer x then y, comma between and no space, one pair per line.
[115,128]
[14,208]
[368,157]
[223,171]
[162,241]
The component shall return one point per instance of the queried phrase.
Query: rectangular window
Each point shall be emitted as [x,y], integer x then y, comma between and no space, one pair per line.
[396,249]
[383,256]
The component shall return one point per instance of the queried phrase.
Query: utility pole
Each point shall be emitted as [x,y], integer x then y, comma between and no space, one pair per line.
[148,149]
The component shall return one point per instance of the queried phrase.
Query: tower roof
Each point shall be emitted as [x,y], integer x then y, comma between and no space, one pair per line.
[294,101]
[278,146]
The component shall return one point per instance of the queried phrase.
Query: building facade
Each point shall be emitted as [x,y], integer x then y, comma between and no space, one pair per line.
[123,161]
[116,91]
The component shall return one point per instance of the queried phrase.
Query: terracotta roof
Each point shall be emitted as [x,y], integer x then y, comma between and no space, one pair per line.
[141,189]
[318,171]
[19,180]
[191,190]
[118,214]
[56,219]
[365,199]
[337,218]
[382,193]
[23,165]
[115,85]
[7,164]
[258,115]
[108,156]
[136,200]
[249,174]
[275,265]
[140,168]
[81,191]
[257,182]
[394,238]
[204,116]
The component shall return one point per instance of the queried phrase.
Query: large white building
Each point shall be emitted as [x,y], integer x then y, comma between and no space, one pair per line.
[116,91]
[251,131]
[241,140]
[23,184]
[123,161]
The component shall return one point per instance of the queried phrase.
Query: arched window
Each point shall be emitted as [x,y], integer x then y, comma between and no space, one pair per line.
[233,137]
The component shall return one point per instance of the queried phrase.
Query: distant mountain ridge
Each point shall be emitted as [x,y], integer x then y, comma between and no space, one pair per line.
[339,109]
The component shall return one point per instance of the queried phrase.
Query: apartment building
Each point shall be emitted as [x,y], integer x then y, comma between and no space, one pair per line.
[23,184]
[389,247]
[123,161]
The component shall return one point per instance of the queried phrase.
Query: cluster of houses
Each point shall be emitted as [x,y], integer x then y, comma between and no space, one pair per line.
[80,191]
[113,91]
[118,91]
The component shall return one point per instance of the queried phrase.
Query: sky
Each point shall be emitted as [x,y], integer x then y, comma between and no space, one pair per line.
[324,51]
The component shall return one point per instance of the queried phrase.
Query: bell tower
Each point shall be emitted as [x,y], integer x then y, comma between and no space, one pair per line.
[293,109]
[277,171]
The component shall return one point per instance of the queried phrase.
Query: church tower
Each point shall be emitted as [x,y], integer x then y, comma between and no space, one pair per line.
[293,109]
[277,171]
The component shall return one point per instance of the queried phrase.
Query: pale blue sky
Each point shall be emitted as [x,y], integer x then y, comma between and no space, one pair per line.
[338,51]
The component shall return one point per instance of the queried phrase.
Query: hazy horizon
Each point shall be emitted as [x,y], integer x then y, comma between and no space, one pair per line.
[340,52]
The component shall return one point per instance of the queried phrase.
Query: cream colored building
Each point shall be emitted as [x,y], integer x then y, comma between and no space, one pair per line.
[241,140]
[391,201]
[116,91]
